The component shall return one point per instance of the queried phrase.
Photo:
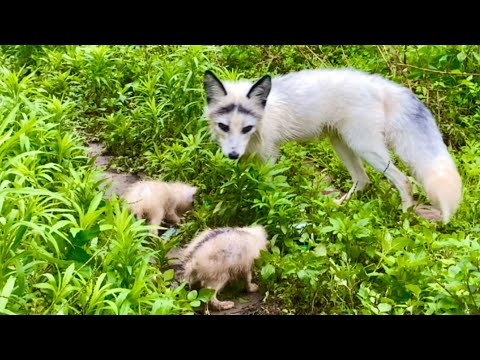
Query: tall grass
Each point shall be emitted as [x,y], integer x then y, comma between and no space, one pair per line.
[63,248]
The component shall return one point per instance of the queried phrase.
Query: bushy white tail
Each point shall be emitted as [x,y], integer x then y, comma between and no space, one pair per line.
[443,185]
[415,137]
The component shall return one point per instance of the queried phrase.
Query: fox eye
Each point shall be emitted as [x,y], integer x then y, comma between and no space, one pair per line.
[246,129]
[223,127]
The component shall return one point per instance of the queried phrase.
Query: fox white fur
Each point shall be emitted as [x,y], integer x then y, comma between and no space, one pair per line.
[364,116]
[217,256]
[157,201]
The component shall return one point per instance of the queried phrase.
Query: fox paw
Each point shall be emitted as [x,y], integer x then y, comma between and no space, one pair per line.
[224,305]
[252,288]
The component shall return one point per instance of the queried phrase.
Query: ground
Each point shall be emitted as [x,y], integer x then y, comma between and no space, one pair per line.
[245,303]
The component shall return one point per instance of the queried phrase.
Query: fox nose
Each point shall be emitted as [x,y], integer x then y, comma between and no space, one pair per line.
[233,155]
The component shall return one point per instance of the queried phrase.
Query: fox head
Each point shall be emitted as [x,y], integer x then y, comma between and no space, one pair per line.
[234,110]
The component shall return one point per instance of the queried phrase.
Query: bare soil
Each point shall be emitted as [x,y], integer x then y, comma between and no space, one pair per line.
[119,181]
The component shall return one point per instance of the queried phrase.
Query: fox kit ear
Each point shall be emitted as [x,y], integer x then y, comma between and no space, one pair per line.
[261,89]
[192,191]
[213,86]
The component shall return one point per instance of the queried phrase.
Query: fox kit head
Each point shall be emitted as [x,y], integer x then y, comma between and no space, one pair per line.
[185,195]
[258,231]
[234,110]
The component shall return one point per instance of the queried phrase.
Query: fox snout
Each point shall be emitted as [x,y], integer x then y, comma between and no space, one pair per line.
[233,155]
[233,151]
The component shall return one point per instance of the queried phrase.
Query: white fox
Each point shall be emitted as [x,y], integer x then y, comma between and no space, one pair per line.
[363,115]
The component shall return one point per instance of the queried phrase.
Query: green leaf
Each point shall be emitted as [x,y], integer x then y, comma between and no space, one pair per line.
[95,202]
[383,307]
[416,290]
[68,274]
[195,303]
[278,171]
[168,275]
[370,251]
[243,300]
[267,271]
[327,229]
[78,254]
[205,294]
[84,236]
[362,223]
[192,295]
[302,274]
[45,286]
[21,232]
[6,291]
[218,207]
[320,250]
[37,192]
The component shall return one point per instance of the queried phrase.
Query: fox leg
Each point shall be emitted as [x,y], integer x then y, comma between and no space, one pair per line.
[354,166]
[370,146]
[268,151]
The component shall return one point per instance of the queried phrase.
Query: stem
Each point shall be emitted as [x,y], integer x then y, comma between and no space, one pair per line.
[448,291]
[470,292]
[439,71]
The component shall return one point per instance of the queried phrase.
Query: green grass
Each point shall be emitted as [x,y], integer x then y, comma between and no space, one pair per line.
[64,249]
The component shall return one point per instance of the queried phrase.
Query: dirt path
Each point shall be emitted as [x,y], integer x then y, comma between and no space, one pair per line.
[119,181]
[245,303]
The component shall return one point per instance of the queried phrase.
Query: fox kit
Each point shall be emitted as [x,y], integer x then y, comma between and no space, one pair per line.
[216,256]
[158,200]
[364,116]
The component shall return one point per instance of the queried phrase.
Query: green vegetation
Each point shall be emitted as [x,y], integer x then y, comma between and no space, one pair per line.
[64,249]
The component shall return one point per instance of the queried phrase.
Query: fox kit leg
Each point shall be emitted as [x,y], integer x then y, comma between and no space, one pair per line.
[217,286]
[371,147]
[173,217]
[251,287]
[138,214]
[354,166]
[156,218]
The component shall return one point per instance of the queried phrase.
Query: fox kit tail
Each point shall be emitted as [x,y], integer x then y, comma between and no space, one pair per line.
[415,137]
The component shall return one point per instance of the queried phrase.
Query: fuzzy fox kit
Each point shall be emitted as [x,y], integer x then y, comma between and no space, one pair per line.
[216,256]
[159,200]
[363,115]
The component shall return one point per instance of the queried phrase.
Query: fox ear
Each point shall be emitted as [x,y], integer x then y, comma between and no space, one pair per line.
[213,87]
[261,89]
